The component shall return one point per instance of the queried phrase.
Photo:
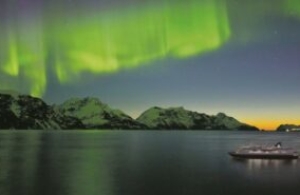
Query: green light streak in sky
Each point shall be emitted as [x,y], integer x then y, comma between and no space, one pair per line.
[111,41]
[24,59]
[12,67]
[107,41]
[293,7]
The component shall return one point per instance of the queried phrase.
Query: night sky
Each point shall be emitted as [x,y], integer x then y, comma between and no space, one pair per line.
[241,57]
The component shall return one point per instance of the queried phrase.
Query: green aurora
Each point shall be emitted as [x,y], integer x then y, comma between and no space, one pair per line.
[67,41]
[106,41]
[293,7]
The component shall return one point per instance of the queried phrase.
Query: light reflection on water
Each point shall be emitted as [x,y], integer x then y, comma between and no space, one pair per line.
[260,164]
[140,162]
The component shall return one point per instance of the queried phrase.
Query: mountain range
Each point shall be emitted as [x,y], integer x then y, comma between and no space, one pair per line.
[288,127]
[179,118]
[19,111]
[26,112]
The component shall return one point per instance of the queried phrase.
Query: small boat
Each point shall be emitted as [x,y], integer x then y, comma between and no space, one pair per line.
[262,152]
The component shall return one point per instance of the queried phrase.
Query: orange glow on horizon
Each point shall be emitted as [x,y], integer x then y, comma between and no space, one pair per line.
[270,124]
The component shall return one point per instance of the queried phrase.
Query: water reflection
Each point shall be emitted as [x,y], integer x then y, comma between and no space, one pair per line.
[136,162]
[34,163]
[258,164]
[269,174]
[262,163]
[18,163]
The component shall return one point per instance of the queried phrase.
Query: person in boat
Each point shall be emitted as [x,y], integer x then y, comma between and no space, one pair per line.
[278,145]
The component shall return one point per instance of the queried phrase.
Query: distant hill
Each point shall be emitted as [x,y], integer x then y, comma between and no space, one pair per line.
[179,118]
[96,115]
[26,112]
[288,127]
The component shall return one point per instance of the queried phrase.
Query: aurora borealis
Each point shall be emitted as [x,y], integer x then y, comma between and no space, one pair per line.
[108,40]
[236,56]
[293,7]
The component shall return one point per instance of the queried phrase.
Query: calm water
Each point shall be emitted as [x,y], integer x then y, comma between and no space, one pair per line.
[141,163]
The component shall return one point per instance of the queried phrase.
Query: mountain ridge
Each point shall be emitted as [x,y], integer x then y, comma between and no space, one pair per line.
[182,119]
[288,127]
[26,112]
[19,111]
[96,115]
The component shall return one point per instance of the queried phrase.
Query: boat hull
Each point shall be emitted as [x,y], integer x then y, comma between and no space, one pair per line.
[263,156]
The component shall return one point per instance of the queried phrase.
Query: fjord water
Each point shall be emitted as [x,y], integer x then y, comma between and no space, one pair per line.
[141,163]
